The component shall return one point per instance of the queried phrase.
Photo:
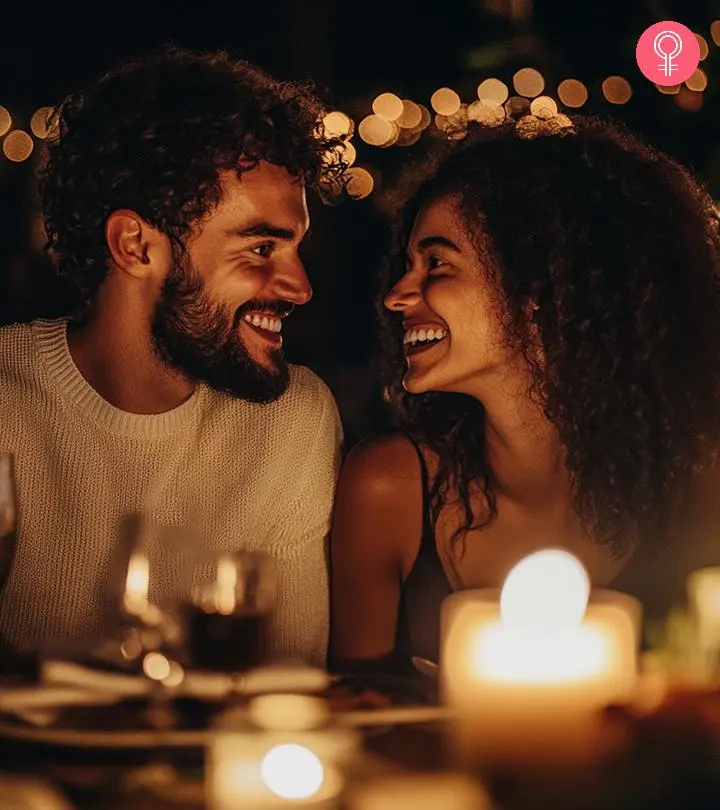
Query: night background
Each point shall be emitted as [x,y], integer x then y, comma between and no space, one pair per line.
[353,51]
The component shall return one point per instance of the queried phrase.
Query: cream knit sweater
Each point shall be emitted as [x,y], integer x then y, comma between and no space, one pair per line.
[246,476]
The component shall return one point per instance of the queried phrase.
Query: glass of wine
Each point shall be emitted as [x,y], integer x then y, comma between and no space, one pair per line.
[8,515]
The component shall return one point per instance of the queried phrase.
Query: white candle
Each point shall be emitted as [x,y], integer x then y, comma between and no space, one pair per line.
[137,585]
[527,670]
[226,585]
[281,752]
[421,792]
[704,597]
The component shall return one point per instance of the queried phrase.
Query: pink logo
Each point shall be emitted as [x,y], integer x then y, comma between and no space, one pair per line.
[668,53]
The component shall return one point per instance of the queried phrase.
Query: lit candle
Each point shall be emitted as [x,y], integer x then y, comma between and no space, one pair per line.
[704,596]
[527,670]
[280,752]
[226,585]
[137,584]
[421,792]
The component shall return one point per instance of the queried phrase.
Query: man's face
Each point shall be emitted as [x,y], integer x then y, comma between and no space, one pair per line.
[220,310]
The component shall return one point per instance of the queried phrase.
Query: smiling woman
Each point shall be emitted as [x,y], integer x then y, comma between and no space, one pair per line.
[551,333]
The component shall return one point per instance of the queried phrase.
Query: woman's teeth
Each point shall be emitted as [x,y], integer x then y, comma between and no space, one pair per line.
[415,336]
[264,322]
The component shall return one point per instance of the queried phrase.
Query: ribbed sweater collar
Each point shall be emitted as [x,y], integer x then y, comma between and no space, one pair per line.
[51,340]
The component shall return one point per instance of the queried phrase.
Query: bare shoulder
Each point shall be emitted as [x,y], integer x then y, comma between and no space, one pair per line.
[383,465]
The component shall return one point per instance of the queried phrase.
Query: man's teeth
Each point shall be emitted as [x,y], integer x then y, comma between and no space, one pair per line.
[414,336]
[264,322]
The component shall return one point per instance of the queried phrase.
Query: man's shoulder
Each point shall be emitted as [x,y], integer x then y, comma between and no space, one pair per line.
[307,391]
[16,346]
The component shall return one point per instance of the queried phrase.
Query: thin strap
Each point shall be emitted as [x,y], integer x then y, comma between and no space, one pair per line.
[428,533]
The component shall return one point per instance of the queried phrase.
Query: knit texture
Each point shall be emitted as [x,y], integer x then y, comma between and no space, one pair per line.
[243,475]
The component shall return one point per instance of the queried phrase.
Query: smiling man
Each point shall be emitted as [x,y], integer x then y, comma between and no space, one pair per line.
[174,203]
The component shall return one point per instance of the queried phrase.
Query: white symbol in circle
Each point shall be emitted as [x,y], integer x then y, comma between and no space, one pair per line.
[668,65]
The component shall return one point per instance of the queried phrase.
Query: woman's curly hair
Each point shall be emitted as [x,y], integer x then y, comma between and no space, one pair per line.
[153,134]
[619,247]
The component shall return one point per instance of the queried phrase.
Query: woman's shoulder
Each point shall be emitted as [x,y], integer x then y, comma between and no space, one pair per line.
[386,462]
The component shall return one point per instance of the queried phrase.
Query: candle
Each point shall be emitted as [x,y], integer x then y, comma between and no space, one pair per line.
[137,584]
[421,792]
[282,751]
[704,597]
[527,669]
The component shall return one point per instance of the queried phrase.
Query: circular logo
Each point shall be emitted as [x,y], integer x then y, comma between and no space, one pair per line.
[668,53]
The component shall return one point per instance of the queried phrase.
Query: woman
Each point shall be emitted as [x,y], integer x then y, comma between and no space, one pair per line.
[552,340]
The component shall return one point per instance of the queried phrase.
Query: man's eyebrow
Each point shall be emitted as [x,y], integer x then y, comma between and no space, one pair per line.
[263,229]
[437,241]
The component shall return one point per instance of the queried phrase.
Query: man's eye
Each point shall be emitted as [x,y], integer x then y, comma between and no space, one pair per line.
[265,250]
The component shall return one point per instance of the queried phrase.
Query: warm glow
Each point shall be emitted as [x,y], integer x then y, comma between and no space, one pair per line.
[616,89]
[39,122]
[411,115]
[388,106]
[337,124]
[358,182]
[688,100]
[445,101]
[493,92]
[549,589]
[18,146]
[292,771]
[486,114]
[349,153]
[528,82]
[137,584]
[376,131]
[175,676]
[226,585]
[669,89]
[698,81]
[5,120]
[715,32]
[704,50]
[426,118]
[572,93]
[517,105]
[544,107]
[156,666]
[408,137]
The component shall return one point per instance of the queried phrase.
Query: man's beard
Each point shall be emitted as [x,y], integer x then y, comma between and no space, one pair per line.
[202,339]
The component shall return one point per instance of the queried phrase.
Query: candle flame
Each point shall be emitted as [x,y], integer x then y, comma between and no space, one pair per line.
[548,589]
[226,585]
[292,771]
[137,584]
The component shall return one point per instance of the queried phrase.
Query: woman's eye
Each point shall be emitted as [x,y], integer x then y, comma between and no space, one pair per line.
[265,250]
[435,262]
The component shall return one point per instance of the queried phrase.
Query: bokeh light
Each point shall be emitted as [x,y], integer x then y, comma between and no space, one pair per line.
[156,666]
[376,131]
[425,117]
[572,93]
[698,81]
[5,121]
[486,114]
[715,32]
[388,106]
[528,82]
[411,115]
[617,90]
[359,182]
[517,106]
[688,100]
[39,122]
[668,89]
[337,124]
[544,107]
[408,137]
[704,50]
[18,146]
[493,92]
[445,101]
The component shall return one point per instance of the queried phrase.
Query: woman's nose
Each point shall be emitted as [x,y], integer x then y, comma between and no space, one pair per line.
[404,295]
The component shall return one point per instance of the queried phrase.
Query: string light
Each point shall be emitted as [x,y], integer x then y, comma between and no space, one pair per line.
[425,117]
[359,182]
[411,115]
[388,106]
[617,90]
[445,101]
[698,81]
[516,106]
[39,122]
[18,146]
[688,100]
[337,124]
[668,89]
[486,114]
[5,121]
[715,32]
[493,92]
[704,49]
[572,93]
[544,107]
[528,82]
[376,131]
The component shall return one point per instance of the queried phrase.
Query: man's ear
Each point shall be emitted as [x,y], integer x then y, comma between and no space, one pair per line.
[135,246]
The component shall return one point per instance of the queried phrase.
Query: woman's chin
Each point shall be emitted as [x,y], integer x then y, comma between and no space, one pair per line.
[415,383]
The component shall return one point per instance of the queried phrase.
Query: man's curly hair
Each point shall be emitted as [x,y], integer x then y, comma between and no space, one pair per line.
[619,246]
[153,134]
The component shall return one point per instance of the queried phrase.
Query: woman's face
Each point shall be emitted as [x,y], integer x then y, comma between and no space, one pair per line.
[453,337]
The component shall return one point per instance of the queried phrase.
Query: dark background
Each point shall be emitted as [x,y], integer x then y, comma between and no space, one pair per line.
[353,50]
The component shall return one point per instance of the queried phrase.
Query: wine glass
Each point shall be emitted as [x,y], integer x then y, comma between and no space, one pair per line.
[8,515]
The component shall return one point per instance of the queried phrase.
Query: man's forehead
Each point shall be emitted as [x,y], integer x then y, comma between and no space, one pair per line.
[263,192]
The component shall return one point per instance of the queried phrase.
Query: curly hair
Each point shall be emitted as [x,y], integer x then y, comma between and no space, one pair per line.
[153,134]
[619,247]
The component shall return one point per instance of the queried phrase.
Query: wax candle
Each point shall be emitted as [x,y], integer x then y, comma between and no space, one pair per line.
[283,751]
[422,791]
[527,669]
[704,597]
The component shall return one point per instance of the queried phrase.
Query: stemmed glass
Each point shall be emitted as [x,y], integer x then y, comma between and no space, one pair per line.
[8,515]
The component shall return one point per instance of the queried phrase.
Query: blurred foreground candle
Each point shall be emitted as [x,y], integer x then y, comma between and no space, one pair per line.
[704,597]
[282,751]
[421,792]
[136,585]
[529,669]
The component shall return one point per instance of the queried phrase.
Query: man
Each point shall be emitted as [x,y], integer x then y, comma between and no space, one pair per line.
[174,203]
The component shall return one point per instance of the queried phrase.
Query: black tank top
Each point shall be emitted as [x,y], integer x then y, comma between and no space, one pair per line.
[424,588]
